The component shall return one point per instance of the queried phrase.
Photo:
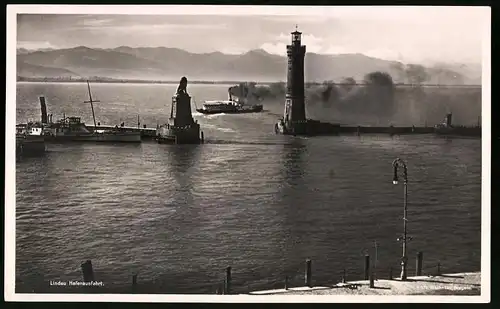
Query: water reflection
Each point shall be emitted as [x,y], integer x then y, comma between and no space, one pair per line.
[293,161]
[294,204]
[183,162]
[184,227]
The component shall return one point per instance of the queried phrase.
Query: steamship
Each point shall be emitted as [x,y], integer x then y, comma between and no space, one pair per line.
[235,104]
[72,129]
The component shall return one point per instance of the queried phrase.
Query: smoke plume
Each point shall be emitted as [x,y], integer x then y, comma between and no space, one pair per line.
[377,100]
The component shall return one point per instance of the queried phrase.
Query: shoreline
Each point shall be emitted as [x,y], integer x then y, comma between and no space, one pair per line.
[224,82]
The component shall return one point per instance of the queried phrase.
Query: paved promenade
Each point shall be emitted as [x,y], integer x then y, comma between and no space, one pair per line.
[450,284]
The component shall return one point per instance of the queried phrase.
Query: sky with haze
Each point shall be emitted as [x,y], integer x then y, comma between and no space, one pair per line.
[451,34]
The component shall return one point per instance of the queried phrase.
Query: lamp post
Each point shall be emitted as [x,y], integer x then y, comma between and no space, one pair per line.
[404,260]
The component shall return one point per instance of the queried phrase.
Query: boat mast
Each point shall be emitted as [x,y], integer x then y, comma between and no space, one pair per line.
[91,104]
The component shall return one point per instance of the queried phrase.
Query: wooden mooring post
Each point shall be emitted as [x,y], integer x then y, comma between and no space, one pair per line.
[228,280]
[390,273]
[286,282]
[420,257]
[308,273]
[367,267]
[134,283]
[372,280]
[344,279]
[88,271]
[439,269]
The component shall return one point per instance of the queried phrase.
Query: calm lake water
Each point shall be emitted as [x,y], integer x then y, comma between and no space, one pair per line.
[260,203]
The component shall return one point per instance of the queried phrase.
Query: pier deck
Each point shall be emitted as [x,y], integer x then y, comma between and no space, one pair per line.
[146,133]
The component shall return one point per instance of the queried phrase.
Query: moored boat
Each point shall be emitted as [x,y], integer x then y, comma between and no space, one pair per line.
[458,131]
[72,129]
[29,140]
[447,129]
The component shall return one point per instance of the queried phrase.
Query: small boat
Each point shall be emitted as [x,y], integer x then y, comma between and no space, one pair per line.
[441,129]
[232,106]
[29,140]
[447,129]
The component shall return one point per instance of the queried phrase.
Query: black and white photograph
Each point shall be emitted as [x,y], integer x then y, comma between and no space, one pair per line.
[237,153]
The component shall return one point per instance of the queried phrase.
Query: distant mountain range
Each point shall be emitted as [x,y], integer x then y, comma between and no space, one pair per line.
[161,63]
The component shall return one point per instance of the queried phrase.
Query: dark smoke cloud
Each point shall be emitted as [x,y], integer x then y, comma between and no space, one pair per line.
[377,100]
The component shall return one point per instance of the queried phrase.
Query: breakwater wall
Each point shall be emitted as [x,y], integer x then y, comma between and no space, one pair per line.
[385,130]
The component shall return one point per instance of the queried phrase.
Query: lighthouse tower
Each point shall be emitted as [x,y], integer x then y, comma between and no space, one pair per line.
[294,118]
